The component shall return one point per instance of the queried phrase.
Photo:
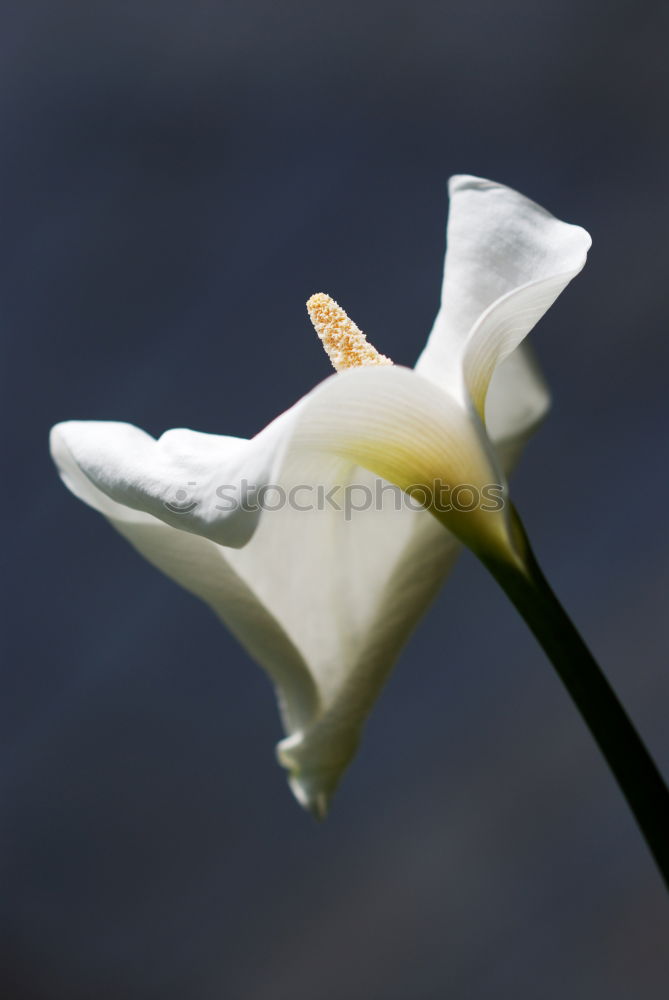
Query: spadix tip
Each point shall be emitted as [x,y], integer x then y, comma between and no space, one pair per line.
[345,344]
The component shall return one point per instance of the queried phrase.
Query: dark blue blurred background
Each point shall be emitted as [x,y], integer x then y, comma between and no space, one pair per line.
[176,179]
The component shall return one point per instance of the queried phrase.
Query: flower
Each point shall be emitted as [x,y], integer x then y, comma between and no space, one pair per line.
[323,598]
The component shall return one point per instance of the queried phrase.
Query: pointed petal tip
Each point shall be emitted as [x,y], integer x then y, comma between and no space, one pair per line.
[316,804]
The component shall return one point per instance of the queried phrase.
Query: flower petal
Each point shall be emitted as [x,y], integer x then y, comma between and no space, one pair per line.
[194,482]
[517,401]
[507,260]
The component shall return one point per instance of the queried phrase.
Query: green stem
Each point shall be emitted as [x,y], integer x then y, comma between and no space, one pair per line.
[632,765]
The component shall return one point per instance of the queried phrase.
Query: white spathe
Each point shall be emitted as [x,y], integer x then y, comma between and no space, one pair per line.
[322,600]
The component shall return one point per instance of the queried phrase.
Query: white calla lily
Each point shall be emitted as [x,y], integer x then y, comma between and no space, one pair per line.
[325,598]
